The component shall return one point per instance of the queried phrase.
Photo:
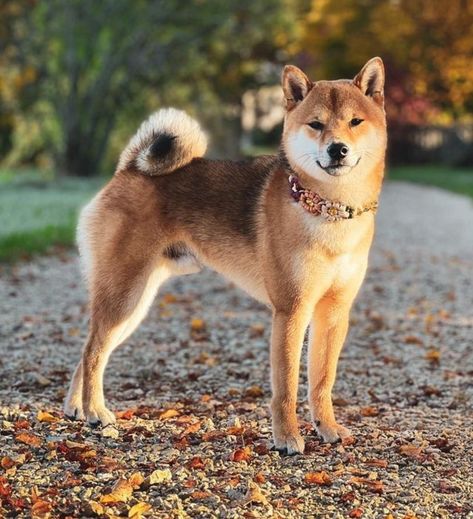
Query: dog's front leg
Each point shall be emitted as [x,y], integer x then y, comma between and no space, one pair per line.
[286,345]
[327,334]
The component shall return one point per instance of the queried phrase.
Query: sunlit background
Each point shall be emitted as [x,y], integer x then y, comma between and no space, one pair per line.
[78,76]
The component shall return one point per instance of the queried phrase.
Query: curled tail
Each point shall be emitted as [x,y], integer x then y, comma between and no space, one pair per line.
[169,139]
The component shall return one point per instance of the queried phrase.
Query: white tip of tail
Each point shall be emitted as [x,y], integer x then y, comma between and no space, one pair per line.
[169,139]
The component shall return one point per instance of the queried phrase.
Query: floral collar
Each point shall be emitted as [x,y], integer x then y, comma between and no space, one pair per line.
[330,210]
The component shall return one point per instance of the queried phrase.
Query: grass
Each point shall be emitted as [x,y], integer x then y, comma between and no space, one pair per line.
[37,213]
[456,180]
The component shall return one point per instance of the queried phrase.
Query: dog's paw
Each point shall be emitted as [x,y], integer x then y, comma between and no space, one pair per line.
[332,433]
[97,416]
[73,410]
[289,444]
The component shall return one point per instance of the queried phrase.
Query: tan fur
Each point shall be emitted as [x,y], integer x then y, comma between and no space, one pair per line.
[239,219]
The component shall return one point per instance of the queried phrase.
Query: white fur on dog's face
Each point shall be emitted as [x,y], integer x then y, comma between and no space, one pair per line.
[306,153]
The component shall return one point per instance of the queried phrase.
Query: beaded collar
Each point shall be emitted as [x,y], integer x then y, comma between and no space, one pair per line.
[330,210]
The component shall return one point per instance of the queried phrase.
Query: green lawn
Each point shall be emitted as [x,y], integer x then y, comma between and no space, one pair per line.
[456,180]
[37,213]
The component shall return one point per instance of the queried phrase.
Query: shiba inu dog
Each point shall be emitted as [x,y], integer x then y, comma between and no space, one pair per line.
[293,230]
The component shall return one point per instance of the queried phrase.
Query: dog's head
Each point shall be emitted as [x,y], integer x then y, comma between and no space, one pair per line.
[334,128]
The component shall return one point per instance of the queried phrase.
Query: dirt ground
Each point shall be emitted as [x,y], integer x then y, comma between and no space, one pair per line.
[191,391]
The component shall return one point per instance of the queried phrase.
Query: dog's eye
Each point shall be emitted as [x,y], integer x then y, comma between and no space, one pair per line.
[355,121]
[316,125]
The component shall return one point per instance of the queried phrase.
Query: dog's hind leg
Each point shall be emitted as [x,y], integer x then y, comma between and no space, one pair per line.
[117,308]
[114,318]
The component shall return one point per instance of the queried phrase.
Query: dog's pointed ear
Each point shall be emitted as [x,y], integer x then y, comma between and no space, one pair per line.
[295,84]
[370,80]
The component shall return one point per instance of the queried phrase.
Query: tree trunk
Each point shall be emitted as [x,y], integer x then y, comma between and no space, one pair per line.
[84,149]
[226,132]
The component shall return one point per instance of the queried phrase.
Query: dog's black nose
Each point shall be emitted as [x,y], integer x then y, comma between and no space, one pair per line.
[337,150]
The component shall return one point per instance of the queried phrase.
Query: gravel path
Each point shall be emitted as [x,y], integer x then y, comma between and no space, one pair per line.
[192,387]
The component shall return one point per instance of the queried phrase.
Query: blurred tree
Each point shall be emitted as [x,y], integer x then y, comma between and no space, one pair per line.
[14,76]
[428,47]
[92,57]
[93,62]
[245,52]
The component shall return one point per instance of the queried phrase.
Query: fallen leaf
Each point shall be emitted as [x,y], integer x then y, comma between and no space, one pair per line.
[197,325]
[431,391]
[442,444]
[318,478]
[126,415]
[7,463]
[22,424]
[413,339]
[75,445]
[261,448]
[120,493]
[196,463]
[380,463]
[192,428]
[169,413]
[257,330]
[199,494]
[259,478]
[5,489]
[356,512]
[349,497]
[372,484]
[340,402]
[433,356]
[40,508]
[348,440]
[110,432]
[29,439]
[445,487]
[254,494]
[254,392]
[136,479]
[159,476]
[411,451]
[241,454]
[369,411]
[44,416]
[213,435]
[168,298]
[136,511]
[96,508]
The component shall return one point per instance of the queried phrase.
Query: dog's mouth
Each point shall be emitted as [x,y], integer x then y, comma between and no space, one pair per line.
[338,168]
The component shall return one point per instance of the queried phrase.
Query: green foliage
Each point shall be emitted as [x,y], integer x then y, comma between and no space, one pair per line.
[37,214]
[456,180]
[97,67]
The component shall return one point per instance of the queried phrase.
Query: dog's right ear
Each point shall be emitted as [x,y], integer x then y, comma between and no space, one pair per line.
[295,84]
